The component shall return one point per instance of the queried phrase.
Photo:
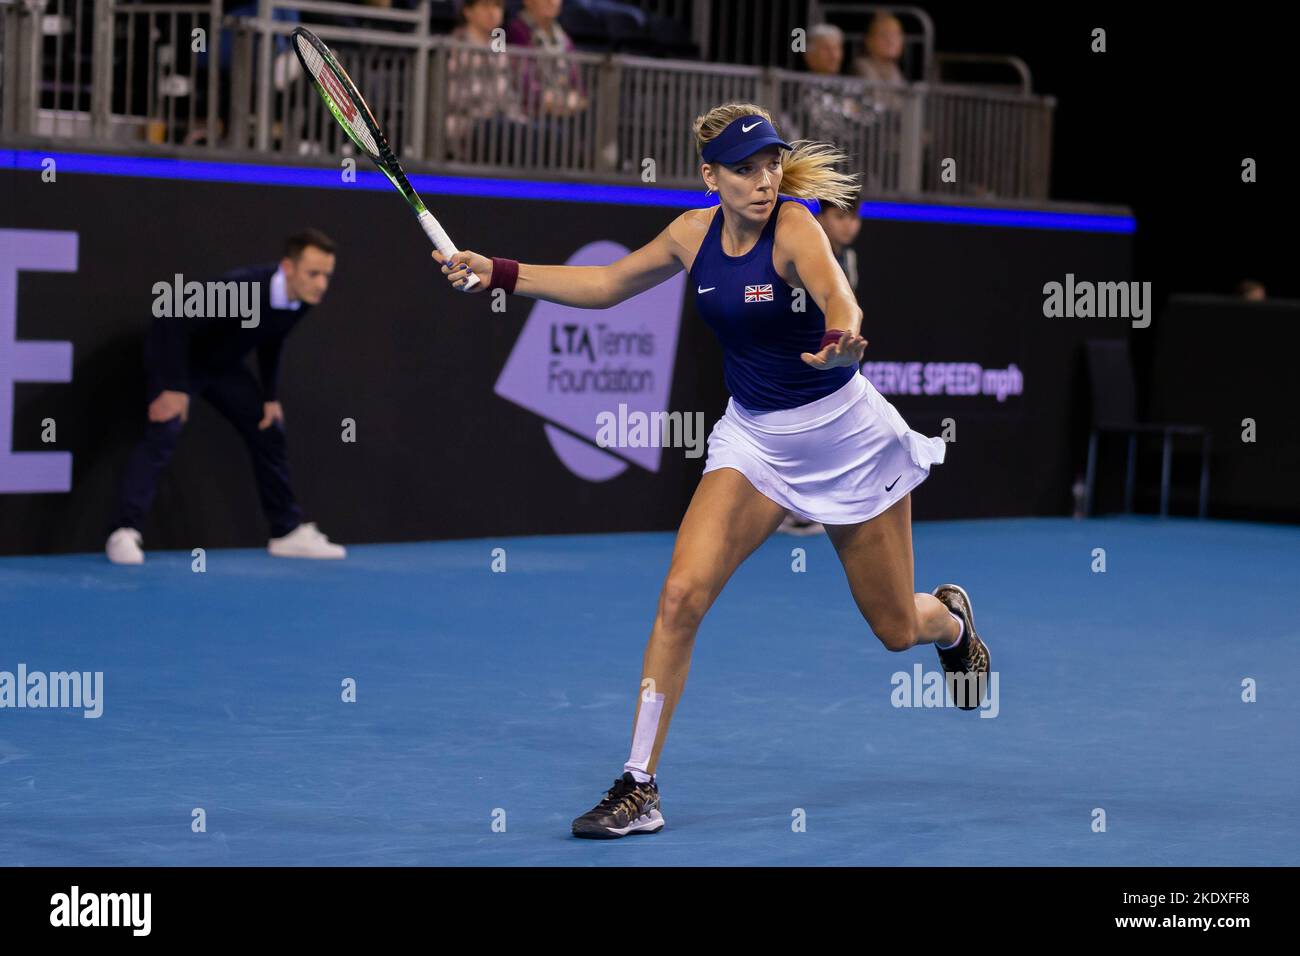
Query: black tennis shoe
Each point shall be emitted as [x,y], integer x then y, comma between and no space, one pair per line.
[969,657]
[628,808]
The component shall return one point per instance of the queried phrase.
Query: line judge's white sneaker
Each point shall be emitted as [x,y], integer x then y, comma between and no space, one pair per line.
[305,541]
[123,547]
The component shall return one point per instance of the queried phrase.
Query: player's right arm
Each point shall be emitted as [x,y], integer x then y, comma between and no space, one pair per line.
[583,287]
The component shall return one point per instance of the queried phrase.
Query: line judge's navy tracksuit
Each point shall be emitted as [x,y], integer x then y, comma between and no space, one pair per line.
[206,357]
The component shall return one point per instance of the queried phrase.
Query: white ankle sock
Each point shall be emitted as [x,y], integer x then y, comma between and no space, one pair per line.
[643,741]
[961,630]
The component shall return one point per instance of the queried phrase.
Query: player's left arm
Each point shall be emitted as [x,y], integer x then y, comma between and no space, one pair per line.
[802,239]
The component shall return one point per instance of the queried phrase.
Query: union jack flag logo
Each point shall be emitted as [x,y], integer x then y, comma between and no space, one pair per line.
[759,293]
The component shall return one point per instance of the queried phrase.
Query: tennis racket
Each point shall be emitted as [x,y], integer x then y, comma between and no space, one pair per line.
[346,105]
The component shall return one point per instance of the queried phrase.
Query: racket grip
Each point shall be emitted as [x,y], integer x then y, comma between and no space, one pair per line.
[438,236]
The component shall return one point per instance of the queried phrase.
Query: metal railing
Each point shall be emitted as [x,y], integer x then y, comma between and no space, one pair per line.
[528,111]
[451,105]
[1000,142]
[983,69]
[21,57]
[65,80]
[106,70]
[273,107]
[656,101]
[877,126]
[168,90]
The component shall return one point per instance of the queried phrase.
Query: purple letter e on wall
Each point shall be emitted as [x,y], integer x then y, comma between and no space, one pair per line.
[30,250]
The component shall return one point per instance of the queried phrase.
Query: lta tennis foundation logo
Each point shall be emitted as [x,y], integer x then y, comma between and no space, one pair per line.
[576,367]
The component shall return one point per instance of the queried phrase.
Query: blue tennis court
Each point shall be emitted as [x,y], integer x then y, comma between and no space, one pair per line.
[485,696]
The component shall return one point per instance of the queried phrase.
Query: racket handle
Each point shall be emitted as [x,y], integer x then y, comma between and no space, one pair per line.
[438,236]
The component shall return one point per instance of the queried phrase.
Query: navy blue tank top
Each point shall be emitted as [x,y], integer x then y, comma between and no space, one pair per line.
[750,309]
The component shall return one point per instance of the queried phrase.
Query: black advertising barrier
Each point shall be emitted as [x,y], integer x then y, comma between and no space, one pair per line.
[1227,365]
[469,422]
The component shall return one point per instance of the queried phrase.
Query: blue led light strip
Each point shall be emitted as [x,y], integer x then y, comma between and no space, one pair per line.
[247,173]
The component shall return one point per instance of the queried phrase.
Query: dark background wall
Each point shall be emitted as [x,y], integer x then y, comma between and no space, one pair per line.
[1217,362]
[438,453]
[1161,121]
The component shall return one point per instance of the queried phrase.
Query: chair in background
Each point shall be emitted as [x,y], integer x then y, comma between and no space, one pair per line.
[1114,409]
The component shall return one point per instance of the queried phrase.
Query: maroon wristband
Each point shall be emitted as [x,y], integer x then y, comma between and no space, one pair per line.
[832,336]
[505,272]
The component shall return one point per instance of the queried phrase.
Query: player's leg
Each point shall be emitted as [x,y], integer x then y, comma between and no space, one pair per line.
[726,520]
[877,559]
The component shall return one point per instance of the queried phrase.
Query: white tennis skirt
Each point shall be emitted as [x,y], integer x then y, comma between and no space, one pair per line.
[842,459]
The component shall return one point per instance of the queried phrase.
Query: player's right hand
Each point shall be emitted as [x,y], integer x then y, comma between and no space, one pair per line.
[168,405]
[458,267]
[848,350]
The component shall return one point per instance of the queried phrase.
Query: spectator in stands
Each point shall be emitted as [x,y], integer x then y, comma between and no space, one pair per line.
[884,49]
[478,18]
[883,44]
[547,85]
[479,87]
[1252,290]
[825,53]
[831,112]
[841,225]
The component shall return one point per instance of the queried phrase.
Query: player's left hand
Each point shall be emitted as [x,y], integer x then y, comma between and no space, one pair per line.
[272,413]
[847,351]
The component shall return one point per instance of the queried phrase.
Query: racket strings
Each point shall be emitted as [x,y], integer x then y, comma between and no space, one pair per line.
[338,96]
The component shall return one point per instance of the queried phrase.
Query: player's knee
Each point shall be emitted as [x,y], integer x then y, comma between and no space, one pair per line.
[682,603]
[898,634]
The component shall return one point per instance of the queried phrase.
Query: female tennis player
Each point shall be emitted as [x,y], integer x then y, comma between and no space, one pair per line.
[803,430]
